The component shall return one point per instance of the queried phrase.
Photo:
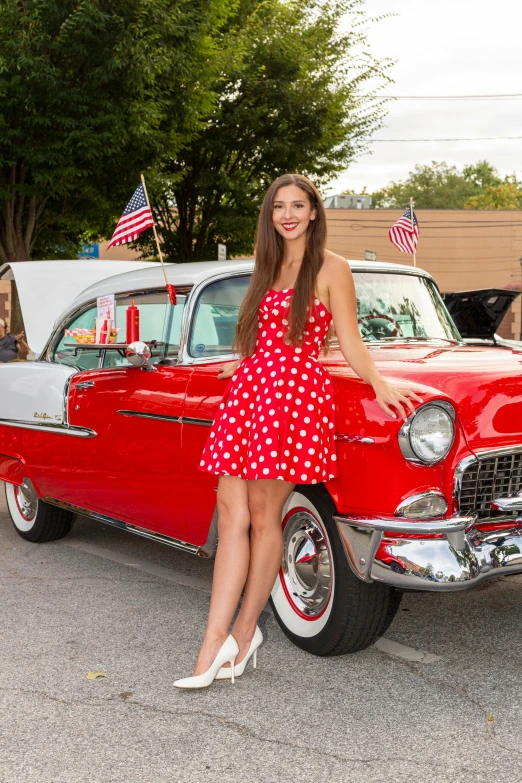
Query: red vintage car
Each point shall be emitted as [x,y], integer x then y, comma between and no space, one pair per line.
[116,434]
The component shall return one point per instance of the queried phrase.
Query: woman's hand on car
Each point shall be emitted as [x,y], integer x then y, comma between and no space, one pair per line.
[389,396]
[229,369]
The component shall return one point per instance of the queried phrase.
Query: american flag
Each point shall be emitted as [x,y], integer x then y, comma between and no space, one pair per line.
[135,219]
[403,234]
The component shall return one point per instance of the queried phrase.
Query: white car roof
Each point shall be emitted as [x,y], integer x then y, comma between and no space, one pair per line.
[195,272]
[45,288]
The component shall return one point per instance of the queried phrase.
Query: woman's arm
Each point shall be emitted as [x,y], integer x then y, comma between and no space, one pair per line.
[343,306]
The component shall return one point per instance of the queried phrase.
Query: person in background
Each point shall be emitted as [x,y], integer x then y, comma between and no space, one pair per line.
[11,347]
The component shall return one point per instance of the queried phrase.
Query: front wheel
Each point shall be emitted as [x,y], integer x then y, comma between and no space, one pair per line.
[33,519]
[317,600]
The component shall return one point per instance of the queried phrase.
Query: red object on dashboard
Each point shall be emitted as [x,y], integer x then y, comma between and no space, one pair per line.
[133,323]
[104,333]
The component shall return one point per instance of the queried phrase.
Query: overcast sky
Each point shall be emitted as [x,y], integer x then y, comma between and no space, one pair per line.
[445,47]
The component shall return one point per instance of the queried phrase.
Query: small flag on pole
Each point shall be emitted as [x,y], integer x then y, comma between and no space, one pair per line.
[405,233]
[136,217]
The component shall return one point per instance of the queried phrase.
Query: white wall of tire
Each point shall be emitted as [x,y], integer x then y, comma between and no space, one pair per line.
[18,518]
[292,620]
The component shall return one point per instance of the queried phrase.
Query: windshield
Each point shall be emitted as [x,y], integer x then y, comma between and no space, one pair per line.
[395,306]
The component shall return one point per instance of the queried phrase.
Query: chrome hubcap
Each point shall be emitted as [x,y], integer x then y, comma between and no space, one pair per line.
[306,567]
[27,501]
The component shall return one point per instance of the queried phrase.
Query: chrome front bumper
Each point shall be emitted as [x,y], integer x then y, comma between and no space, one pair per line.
[462,557]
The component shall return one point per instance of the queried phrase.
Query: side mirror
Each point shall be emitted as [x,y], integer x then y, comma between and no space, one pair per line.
[138,354]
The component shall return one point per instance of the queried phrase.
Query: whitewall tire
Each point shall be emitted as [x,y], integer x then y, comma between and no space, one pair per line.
[319,603]
[33,519]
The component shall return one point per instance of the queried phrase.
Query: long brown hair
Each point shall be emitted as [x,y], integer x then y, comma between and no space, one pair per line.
[269,253]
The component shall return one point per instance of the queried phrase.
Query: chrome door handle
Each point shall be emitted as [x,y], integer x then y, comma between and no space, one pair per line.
[84,385]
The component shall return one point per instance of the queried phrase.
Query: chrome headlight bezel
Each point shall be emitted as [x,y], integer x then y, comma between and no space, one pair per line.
[405,442]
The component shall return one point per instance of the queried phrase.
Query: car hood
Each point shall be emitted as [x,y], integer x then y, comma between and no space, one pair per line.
[478,314]
[45,288]
[484,384]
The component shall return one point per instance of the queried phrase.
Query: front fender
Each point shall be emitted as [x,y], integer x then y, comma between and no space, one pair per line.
[374,476]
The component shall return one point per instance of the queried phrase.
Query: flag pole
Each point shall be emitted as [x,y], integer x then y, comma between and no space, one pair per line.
[170,288]
[412,233]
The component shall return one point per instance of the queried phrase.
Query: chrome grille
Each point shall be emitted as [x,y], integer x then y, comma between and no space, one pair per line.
[489,478]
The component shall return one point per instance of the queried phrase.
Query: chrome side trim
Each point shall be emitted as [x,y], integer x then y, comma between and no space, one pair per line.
[174,419]
[201,422]
[58,429]
[158,416]
[128,526]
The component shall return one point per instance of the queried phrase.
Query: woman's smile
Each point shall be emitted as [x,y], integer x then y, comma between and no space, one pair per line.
[289,226]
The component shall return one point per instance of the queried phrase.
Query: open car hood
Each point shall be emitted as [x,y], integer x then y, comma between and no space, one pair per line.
[478,314]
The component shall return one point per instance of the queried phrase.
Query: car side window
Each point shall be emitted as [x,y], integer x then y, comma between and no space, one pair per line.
[215,317]
[70,353]
[160,327]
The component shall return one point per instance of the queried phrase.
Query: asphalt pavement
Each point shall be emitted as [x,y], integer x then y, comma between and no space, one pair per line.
[438,700]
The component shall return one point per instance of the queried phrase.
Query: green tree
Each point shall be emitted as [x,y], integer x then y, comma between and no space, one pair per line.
[506,195]
[438,186]
[290,99]
[90,94]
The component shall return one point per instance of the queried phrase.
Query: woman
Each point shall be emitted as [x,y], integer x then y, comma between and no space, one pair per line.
[275,425]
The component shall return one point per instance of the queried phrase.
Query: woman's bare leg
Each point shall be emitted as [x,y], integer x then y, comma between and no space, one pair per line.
[231,566]
[266,498]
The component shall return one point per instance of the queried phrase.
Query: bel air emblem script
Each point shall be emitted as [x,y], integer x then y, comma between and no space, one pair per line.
[47,417]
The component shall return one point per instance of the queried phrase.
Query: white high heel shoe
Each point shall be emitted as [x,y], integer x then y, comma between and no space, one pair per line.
[225,673]
[227,654]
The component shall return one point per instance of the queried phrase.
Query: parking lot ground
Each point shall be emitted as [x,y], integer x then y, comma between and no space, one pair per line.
[440,700]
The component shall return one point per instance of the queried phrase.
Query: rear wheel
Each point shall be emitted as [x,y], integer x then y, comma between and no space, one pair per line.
[33,519]
[319,603]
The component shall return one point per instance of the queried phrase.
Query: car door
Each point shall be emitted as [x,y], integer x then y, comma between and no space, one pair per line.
[213,320]
[131,469]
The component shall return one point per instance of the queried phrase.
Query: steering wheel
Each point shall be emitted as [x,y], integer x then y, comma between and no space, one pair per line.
[379,329]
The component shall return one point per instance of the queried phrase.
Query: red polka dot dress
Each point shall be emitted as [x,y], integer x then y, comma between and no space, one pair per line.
[276,419]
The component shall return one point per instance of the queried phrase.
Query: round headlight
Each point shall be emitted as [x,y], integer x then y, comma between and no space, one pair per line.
[428,435]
